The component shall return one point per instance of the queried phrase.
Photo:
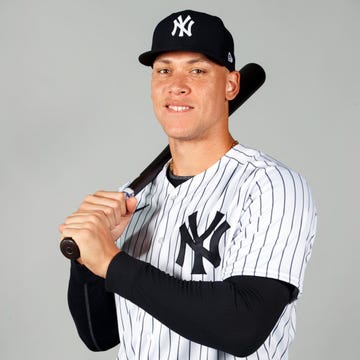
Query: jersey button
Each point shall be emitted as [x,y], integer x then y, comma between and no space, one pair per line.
[160,240]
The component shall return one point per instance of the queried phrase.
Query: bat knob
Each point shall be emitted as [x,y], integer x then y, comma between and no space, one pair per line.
[69,248]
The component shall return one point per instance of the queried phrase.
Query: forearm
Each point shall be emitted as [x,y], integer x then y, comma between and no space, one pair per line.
[235,315]
[92,308]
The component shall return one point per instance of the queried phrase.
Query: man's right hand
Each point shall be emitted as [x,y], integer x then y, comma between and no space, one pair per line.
[96,225]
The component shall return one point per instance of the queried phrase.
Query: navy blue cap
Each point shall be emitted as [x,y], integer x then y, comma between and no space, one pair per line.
[193,31]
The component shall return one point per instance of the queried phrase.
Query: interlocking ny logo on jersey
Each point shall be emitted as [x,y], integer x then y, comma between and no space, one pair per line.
[180,24]
[196,242]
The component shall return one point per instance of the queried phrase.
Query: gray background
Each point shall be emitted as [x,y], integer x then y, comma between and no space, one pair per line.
[76,116]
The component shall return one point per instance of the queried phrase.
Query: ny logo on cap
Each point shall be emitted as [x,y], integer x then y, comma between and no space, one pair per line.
[180,24]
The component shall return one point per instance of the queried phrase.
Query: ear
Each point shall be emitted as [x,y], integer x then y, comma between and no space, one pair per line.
[233,85]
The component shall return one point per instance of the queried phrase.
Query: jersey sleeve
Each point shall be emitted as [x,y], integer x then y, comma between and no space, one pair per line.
[275,229]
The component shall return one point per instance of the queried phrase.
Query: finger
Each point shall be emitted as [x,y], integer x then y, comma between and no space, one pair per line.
[76,231]
[95,217]
[84,231]
[111,196]
[117,196]
[61,227]
[95,222]
[112,205]
[111,211]
[131,204]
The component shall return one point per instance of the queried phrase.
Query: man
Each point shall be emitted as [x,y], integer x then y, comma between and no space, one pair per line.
[210,257]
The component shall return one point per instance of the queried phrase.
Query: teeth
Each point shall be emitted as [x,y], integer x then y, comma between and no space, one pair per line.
[179,108]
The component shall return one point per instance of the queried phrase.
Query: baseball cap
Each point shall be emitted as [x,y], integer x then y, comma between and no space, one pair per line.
[193,31]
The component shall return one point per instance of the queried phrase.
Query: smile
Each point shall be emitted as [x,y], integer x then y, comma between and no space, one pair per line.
[178,108]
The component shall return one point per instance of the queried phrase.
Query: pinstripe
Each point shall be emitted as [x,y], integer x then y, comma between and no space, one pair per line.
[170,345]
[142,337]
[266,345]
[178,348]
[124,342]
[308,235]
[156,228]
[293,322]
[253,236]
[158,256]
[130,325]
[155,216]
[206,188]
[280,225]
[285,352]
[152,332]
[274,356]
[299,230]
[289,233]
[225,186]
[263,202]
[270,220]
[182,217]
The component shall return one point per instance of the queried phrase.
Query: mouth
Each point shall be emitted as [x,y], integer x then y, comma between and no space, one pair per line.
[178,108]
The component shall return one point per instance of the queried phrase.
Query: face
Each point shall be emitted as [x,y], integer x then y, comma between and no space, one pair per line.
[190,95]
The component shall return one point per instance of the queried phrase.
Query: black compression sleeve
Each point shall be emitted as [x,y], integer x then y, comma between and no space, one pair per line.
[92,308]
[235,315]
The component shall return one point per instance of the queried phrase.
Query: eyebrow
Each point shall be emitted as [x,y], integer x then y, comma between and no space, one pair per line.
[191,61]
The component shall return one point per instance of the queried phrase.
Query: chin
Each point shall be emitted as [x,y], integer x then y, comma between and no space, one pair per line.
[177,133]
[176,129]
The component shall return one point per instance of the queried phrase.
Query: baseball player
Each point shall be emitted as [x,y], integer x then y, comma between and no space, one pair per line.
[208,260]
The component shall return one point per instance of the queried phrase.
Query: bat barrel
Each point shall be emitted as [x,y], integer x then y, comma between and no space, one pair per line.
[151,171]
[252,76]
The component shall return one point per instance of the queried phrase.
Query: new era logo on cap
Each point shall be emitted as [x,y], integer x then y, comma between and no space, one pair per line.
[180,24]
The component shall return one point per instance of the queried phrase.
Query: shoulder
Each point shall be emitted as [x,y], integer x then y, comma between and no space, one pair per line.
[256,158]
[261,164]
[259,173]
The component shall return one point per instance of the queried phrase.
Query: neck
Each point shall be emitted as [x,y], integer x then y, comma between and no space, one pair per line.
[190,158]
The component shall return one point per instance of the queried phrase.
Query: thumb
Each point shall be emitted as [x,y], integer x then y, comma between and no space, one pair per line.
[131,204]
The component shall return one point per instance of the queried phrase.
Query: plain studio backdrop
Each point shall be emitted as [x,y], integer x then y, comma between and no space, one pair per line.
[76,117]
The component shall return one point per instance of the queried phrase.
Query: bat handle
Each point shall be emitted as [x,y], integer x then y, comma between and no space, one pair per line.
[69,248]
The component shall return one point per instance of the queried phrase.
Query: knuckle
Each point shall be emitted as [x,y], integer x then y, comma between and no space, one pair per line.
[88,230]
[109,211]
[88,198]
[120,196]
[117,205]
[96,216]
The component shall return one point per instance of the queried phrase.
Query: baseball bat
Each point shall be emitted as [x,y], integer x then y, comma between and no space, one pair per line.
[252,76]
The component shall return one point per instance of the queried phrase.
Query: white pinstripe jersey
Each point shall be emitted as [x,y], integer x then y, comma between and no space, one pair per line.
[270,223]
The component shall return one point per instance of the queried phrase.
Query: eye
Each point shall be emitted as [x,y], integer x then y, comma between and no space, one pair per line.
[197,71]
[163,71]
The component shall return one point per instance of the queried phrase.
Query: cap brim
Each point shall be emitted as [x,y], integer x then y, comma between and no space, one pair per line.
[148,58]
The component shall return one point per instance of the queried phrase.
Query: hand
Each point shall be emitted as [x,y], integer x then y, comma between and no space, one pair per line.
[95,226]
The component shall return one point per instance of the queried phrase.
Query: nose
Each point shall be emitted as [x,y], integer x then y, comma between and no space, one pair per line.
[179,86]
